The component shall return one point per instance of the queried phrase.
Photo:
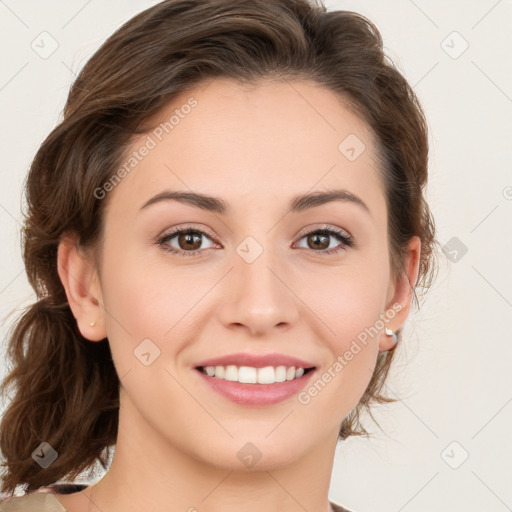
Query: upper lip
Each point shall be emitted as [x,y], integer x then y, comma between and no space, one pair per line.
[256,361]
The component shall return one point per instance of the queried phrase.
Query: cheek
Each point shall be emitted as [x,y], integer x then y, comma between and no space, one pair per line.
[348,302]
[350,306]
[144,300]
[353,316]
[352,343]
[133,305]
[137,295]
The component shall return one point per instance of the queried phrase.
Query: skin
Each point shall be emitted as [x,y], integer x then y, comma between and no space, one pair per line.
[256,148]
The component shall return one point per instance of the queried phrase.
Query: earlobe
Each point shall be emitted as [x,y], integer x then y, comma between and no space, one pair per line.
[80,281]
[400,303]
[390,341]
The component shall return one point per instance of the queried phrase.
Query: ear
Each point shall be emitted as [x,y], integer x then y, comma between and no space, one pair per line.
[80,280]
[401,292]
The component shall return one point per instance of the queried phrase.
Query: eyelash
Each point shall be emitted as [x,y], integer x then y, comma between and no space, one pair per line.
[340,235]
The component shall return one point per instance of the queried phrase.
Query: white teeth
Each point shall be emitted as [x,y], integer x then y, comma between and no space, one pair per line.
[231,373]
[251,375]
[219,371]
[266,375]
[247,374]
[280,373]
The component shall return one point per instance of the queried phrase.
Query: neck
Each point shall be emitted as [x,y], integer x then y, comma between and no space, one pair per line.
[150,473]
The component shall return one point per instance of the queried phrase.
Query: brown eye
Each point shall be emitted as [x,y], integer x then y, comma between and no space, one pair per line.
[188,241]
[319,240]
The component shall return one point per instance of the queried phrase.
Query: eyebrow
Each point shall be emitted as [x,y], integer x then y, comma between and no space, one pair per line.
[217,205]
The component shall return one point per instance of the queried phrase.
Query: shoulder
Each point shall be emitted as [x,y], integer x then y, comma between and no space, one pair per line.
[32,502]
[338,508]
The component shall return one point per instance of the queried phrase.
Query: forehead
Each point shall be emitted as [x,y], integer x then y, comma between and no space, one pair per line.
[266,139]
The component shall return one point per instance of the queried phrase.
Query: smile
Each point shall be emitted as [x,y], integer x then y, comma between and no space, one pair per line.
[255,394]
[251,375]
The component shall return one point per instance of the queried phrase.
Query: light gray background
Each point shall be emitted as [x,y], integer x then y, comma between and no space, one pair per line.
[453,371]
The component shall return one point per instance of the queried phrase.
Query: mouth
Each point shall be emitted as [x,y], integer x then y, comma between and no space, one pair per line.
[255,387]
[252,375]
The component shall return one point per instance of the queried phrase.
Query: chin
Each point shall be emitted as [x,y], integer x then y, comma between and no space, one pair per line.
[252,453]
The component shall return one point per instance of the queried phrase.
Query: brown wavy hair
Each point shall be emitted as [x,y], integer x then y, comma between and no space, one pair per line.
[66,387]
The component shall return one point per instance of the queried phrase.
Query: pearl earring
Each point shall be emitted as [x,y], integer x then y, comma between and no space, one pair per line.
[92,324]
[389,332]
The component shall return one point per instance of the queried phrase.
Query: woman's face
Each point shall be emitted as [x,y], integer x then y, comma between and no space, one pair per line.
[258,278]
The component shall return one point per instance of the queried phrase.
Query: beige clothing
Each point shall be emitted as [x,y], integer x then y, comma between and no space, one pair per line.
[32,502]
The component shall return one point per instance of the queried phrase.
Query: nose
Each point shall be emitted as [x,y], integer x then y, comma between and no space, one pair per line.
[259,297]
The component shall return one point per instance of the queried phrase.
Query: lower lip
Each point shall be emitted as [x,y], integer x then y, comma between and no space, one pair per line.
[257,394]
